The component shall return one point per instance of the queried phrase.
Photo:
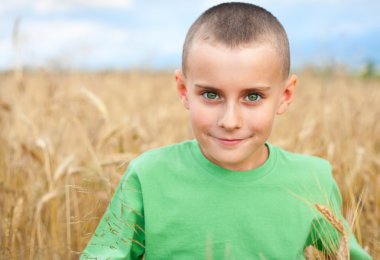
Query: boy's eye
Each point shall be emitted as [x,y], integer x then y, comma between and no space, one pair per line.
[253,97]
[210,95]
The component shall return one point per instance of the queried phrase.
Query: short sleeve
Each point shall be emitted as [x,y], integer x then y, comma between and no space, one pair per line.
[120,232]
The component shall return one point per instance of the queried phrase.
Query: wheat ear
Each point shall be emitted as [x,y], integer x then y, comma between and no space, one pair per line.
[343,250]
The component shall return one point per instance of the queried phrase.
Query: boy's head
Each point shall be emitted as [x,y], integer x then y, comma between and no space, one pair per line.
[238,24]
[234,80]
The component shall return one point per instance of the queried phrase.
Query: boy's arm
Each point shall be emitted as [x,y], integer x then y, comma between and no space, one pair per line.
[120,233]
[326,237]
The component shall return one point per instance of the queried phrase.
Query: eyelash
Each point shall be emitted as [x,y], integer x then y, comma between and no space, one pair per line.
[217,96]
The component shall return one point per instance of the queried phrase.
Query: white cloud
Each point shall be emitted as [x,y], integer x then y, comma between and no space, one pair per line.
[8,55]
[63,31]
[86,44]
[93,3]
[12,5]
[70,42]
[60,5]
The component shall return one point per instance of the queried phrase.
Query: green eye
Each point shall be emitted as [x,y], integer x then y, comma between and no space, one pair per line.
[210,95]
[253,97]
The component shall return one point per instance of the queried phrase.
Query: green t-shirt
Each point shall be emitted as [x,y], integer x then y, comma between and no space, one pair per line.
[172,203]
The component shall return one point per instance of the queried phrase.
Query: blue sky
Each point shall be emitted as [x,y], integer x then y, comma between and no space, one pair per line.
[121,34]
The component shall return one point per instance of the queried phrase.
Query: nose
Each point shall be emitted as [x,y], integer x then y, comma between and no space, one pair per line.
[230,118]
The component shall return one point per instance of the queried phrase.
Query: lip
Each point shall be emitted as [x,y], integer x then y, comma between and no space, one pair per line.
[229,142]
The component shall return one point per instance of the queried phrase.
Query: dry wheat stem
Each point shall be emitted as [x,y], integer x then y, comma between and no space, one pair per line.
[343,249]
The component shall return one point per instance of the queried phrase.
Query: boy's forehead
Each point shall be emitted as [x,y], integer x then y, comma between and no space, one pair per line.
[209,46]
[220,45]
[246,65]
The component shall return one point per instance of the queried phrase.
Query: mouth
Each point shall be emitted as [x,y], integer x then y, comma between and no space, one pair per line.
[229,141]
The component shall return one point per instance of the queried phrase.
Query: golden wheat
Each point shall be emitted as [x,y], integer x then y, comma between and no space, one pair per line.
[66,139]
[343,249]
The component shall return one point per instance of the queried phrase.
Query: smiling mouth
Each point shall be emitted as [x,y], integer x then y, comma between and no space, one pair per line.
[229,142]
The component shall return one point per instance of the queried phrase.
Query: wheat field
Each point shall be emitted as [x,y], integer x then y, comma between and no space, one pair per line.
[66,139]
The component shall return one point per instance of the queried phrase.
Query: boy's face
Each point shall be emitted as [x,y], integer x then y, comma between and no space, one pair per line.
[233,95]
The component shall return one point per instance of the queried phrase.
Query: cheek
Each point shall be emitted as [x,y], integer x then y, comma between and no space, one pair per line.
[200,118]
[260,119]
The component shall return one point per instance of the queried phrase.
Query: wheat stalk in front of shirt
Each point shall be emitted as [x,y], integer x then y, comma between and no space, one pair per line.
[343,249]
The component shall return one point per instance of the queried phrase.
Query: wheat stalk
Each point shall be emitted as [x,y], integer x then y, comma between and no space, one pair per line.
[97,102]
[16,221]
[343,249]
[36,230]
[43,144]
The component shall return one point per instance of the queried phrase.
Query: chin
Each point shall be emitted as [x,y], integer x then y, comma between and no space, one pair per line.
[226,158]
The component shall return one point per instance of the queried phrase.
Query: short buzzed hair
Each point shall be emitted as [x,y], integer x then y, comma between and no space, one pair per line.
[235,24]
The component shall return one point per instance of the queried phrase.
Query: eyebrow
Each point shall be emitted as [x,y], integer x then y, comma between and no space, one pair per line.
[248,89]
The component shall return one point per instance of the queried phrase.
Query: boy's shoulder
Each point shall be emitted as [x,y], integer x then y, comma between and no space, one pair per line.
[305,164]
[163,155]
[167,150]
[294,158]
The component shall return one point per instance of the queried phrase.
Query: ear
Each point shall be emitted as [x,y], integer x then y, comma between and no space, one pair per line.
[181,88]
[287,94]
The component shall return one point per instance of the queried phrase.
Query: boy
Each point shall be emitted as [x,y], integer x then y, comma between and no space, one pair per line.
[228,194]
